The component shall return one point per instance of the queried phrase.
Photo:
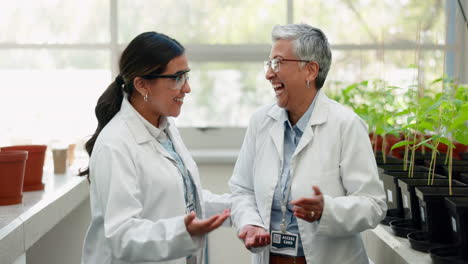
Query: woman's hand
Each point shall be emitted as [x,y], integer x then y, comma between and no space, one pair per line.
[197,227]
[254,236]
[309,208]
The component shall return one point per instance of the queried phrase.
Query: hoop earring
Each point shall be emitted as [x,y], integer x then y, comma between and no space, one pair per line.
[145,98]
[308,84]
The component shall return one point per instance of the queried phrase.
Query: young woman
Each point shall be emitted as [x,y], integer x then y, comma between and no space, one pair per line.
[147,203]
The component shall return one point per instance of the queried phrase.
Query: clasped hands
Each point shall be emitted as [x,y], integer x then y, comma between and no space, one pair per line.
[307,208]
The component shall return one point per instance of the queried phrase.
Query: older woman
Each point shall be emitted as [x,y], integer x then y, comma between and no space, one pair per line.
[305,183]
[147,203]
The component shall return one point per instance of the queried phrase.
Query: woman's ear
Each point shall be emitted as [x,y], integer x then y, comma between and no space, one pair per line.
[141,86]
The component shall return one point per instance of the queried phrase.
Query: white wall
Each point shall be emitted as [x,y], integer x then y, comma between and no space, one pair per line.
[62,244]
[223,244]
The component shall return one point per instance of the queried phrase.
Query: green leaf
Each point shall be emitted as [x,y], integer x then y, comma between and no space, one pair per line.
[426,126]
[462,137]
[426,145]
[446,141]
[401,143]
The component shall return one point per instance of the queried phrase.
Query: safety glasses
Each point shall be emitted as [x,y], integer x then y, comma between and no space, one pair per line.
[180,78]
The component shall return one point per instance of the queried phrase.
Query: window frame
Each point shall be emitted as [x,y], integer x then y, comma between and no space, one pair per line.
[258,52]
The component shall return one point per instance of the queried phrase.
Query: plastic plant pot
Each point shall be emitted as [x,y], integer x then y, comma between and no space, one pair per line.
[400,167]
[457,151]
[12,167]
[412,214]
[441,166]
[464,177]
[402,227]
[456,169]
[391,216]
[435,220]
[446,255]
[420,241]
[388,159]
[458,210]
[34,166]
[464,155]
[393,192]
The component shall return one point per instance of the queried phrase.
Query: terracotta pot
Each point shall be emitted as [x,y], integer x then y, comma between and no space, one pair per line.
[34,166]
[397,152]
[12,167]
[457,151]
[390,141]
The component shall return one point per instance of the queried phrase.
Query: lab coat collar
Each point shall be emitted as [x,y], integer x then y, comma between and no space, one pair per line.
[138,129]
[136,126]
[319,115]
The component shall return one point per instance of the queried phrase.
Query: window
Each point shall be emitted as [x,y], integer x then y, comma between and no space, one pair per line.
[202,21]
[57,57]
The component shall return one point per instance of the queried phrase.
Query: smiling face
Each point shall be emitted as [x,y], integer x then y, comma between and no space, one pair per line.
[163,99]
[289,83]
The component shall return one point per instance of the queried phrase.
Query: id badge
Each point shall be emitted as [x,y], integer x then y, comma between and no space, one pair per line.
[284,243]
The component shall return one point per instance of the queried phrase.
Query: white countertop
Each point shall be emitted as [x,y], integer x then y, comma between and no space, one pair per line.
[384,247]
[23,224]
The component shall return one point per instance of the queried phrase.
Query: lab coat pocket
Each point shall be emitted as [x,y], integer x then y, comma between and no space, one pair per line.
[330,183]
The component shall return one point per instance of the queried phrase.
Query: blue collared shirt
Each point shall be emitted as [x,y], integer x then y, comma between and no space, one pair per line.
[292,136]
[189,186]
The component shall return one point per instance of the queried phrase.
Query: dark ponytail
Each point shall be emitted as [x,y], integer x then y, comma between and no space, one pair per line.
[148,53]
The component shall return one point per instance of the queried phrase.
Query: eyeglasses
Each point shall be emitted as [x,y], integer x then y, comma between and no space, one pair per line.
[180,78]
[274,64]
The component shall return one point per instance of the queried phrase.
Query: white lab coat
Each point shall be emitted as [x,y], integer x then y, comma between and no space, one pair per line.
[137,197]
[335,154]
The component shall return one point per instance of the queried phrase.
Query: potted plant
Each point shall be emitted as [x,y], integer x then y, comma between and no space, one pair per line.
[443,116]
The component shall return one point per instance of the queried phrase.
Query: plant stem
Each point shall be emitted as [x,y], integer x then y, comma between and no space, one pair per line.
[374,142]
[450,151]
[423,148]
[447,157]
[384,145]
[405,157]
[413,154]
[434,157]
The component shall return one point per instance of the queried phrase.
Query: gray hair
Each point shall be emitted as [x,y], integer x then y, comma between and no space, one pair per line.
[310,44]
